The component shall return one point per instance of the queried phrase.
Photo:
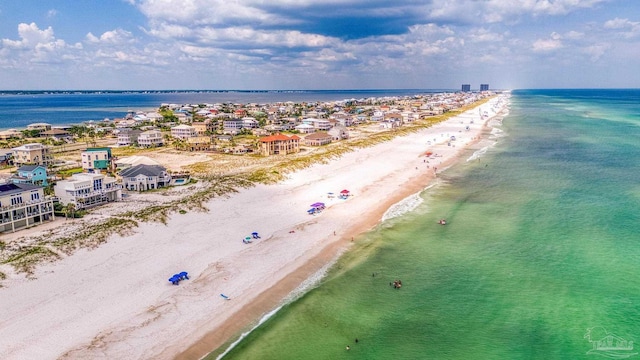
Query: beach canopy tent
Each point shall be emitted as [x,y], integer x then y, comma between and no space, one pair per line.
[344,194]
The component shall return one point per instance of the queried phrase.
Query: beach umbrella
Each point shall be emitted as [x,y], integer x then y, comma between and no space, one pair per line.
[344,191]
[248,238]
[254,233]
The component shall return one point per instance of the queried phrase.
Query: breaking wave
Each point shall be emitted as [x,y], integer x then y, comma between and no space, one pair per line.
[404,206]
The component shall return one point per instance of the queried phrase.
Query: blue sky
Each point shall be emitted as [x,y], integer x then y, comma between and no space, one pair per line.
[318,44]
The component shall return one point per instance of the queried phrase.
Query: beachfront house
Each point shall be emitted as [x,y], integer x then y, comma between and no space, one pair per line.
[86,190]
[40,127]
[128,137]
[318,124]
[22,206]
[10,134]
[154,117]
[182,117]
[204,127]
[151,138]
[232,126]
[305,128]
[32,154]
[57,134]
[279,144]
[96,159]
[317,139]
[183,131]
[395,118]
[249,122]
[198,143]
[30,174]
[144,177]
[6,157]
[338,132]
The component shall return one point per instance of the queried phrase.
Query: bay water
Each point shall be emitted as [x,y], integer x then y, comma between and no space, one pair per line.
[540,257]
[63,108]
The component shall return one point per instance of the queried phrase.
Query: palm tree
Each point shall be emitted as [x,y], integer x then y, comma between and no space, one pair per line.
[69,209]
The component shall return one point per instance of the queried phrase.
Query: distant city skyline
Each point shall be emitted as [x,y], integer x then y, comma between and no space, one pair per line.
[306,45]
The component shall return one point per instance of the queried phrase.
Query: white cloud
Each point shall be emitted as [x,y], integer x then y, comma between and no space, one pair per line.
[618,23]
[546,45]
[493,11]
[205,12]
[632,28]
[114,37]
[484,35]
[30,37]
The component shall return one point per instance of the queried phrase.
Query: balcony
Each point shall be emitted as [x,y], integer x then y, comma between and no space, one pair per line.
[114,188]
[25,204]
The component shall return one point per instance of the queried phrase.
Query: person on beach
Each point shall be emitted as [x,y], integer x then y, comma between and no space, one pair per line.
[348,347]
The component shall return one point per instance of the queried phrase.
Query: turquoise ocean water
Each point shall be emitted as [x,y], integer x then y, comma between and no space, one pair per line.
[540,258]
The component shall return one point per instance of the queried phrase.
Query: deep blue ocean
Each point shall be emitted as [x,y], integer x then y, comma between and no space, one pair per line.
[540,258]
[17,110]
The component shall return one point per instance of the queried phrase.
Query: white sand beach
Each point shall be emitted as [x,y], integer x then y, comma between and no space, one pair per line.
[114,302]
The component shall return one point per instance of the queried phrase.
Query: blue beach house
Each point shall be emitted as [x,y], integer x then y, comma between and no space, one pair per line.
[31,174]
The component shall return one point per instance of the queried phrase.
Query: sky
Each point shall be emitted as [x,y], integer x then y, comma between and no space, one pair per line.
[318,44]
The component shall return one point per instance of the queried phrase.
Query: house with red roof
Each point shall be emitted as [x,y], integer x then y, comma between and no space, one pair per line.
[279,144]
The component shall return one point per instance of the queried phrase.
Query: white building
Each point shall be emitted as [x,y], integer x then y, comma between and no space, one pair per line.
[154,116]
[305,128]
[318,124]
[183,131]
[22,206]
[151,138]
[127,137]
[249,122]
[86,190]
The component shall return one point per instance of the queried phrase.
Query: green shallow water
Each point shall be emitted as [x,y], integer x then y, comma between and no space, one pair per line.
[541,245]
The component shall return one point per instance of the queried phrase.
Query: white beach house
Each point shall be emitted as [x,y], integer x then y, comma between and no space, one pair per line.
[86,190]
[151,138]
[23,205]
[183,131]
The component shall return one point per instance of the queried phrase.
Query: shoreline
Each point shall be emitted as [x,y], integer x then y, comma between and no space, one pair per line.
[119,309]
[273,297]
